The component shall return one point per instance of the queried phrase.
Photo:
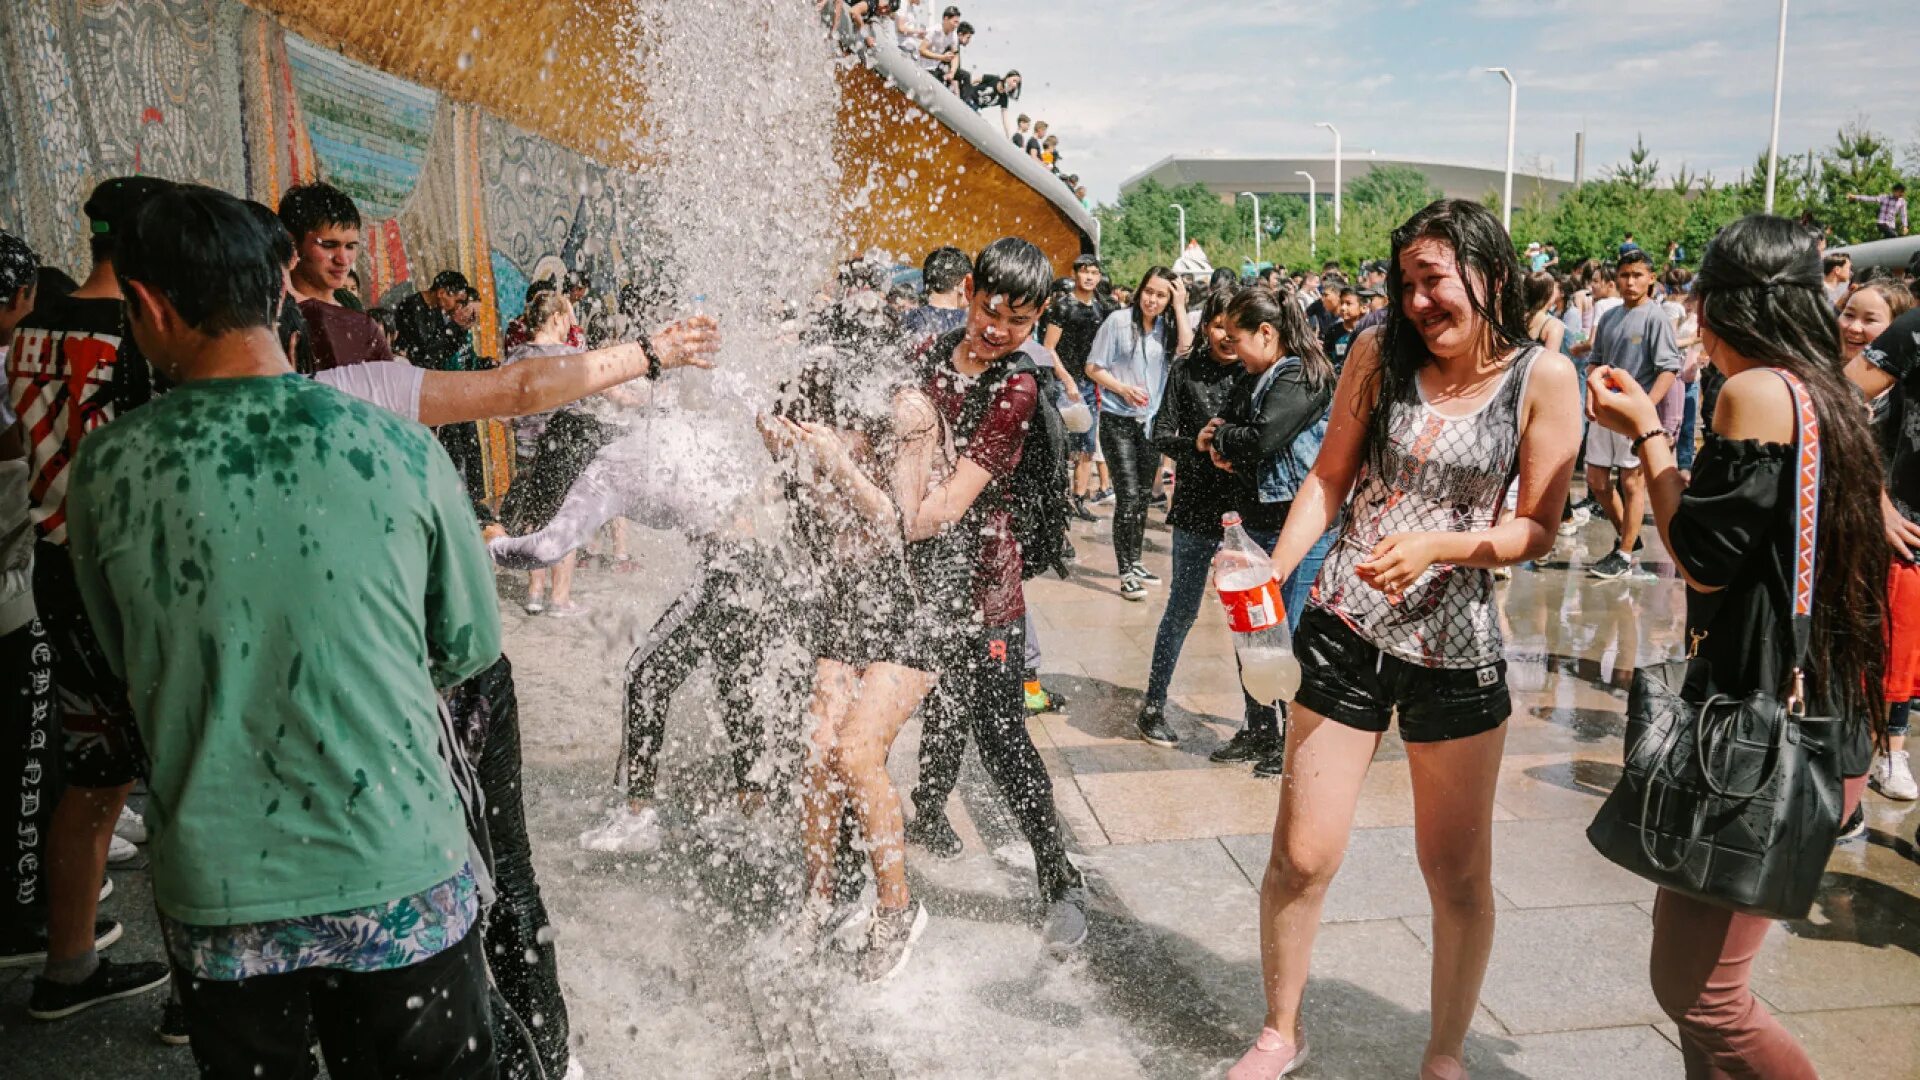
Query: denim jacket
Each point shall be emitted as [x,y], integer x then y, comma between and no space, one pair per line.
[1282,475]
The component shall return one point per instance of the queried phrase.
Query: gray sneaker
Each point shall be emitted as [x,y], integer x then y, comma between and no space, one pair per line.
[1066,927]
[890,937]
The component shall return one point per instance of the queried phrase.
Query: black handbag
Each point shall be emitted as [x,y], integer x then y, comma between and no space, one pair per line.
[1735,802]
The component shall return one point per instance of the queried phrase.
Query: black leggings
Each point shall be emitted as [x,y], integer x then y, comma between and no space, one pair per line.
[708,621]
[520,956]
[1132,460]
[30,744]
[981,687]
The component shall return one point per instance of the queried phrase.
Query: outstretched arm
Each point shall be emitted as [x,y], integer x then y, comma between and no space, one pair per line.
[541,383]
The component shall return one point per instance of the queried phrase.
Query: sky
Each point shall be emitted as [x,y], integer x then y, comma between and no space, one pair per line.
[1126,83]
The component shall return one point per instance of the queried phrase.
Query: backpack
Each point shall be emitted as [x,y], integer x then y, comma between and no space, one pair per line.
[1035,494]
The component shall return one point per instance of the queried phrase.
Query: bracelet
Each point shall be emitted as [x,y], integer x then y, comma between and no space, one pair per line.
[653,358]
[1637,443]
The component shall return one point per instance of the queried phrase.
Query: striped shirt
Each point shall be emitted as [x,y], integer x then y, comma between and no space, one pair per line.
[60,378]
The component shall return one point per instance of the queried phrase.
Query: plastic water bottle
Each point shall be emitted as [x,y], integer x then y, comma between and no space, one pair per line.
[1243,575]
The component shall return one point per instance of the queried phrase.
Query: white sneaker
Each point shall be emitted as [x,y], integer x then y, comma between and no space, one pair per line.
[625,830]
[120,851]
[131,827]
[575,1070]
[1894,778]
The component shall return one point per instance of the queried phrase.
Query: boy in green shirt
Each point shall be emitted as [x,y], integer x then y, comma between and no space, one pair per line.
[284,575]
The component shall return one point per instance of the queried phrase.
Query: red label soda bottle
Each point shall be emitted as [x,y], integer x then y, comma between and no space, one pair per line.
[1243,575]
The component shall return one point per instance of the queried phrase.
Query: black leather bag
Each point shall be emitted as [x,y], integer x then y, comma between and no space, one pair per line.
[1736,802]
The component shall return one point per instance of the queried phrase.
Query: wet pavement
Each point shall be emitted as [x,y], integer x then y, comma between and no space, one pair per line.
[676,964]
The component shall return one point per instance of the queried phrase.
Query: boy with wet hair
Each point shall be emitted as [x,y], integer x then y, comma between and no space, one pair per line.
[982,676]
[315,867]
[325,227]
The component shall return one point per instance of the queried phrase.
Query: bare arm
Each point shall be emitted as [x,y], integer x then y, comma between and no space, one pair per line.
[946,504]
[1334,471]
[540,383]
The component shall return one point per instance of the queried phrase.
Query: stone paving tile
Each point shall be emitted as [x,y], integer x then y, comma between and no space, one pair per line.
[1624,1053]
[1183,804]
[1882,1042]
[1859,947]
[1556,785]
[1567,969]
[1544,864]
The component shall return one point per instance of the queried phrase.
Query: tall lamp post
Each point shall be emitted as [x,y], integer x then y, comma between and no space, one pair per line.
[1779,79]
[1513,114]
[1313,216]
[1336,174]
[1256,222]
[1183,228]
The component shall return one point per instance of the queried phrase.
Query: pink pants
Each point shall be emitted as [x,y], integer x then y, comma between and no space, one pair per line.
[1702,959]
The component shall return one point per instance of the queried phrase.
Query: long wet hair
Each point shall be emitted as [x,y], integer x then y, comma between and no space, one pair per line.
[1253,306]
[1491,273]
[1760,292]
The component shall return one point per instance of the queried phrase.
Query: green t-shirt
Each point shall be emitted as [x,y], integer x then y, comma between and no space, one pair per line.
[283,574]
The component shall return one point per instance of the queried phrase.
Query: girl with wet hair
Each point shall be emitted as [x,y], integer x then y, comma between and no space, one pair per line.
[1129,360]
[1433,415]
[1766,324]
[866,448]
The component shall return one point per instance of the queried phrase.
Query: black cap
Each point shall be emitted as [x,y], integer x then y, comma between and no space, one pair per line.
[113,203]
[452,280]
[1085,261]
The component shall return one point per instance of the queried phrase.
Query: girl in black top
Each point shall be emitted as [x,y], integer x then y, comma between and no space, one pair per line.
[1732,532]
[1197,389]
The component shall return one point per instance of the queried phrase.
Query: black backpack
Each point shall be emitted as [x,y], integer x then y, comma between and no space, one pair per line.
[1036,492]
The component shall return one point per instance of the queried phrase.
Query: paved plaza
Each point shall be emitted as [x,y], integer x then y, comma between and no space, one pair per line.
[675,966]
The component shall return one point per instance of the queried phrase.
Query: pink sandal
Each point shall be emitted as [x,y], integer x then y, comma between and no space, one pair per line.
[1272,1056]
[1443,1068]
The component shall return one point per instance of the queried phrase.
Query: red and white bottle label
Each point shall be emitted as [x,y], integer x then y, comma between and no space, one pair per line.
[1250,610]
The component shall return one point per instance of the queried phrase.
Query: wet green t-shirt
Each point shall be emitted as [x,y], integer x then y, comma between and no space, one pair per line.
[283,574]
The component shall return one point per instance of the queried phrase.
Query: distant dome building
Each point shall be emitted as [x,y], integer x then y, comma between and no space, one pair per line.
[1228,176]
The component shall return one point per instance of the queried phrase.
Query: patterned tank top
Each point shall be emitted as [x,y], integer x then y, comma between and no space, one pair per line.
[1443,474]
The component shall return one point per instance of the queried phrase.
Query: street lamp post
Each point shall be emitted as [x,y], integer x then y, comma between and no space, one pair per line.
[1256,222]
[1779,78]
[1513,114]
[1336,174]
[1313,216]
[1183,228]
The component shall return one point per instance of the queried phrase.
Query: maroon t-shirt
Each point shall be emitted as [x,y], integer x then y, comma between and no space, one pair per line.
[340,336]
[995,447]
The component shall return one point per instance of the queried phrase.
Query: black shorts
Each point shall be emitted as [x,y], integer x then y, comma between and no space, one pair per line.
[1344,678]
[103,747]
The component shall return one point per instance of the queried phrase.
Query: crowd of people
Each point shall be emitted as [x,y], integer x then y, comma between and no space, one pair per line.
[250,562]
[937,46]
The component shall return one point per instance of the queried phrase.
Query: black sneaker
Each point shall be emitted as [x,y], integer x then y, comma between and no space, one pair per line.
[31,950]
[1080,511]
[1146,576]
[1153,727]
[1615,565]
[1132,588]
[1854,828]
[1158,500]
[1245,746]
[1274,764]
[931,830]
[109,982]
[172,1028]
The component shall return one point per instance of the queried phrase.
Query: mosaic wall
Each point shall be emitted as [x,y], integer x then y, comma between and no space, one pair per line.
[211,91]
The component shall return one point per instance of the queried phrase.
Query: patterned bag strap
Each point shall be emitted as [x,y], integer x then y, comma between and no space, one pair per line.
[1806,528]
